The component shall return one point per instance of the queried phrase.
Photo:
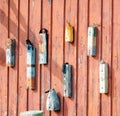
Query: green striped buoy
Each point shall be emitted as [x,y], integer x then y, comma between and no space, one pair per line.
[31,113]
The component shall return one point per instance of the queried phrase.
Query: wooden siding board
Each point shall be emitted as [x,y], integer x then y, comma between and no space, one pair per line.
[106,53]
[3,70]
[13,71]
[93,85]
[115,60]
[82,59]
[34,27]
[57,50]
[23,33]
[45,71]
[86,100]
[70,57]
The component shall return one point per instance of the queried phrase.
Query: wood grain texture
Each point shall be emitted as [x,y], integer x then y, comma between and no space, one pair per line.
[23,34]
[57,50]
[34,24]
[82,59]
[93,75]
[71,56]
[107,53]
[45,69]
[13,72]
[115,60]
[3,69]
[22,19]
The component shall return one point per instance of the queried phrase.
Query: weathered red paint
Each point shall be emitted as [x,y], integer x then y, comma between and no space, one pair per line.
[70,56]
[13,72]
[107,54]
[34,27]
[93,63]
[82,79]
[57,51]
[22,19]
[3,69]
[115,60]
[23,34]
[46,69]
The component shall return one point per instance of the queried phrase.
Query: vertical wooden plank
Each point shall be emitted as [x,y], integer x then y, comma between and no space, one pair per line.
[35,18]
[106,51]
[45,71]
[82,59]
[57,50]
[13,71]
[3,70]
[115,60]
[22,103]
[71,56]
[93,74]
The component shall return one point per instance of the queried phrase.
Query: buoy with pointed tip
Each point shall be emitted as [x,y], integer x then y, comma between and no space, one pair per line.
[53,102]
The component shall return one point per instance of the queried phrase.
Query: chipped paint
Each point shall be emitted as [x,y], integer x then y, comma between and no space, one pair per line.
[33,3]
[15,113]
[42,97]
[49,1]
[6,113]
[80,60]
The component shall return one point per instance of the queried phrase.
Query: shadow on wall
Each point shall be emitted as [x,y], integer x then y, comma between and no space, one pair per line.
[33,38]
[2,57]
[13,25]
[23,30]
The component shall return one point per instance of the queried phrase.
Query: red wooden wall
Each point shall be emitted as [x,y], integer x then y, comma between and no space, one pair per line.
[21,19]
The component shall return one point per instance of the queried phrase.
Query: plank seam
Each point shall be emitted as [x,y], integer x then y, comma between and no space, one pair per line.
[100,49]
[28,26]
[51,46]
[40,65]
[77,57]
[64,18]
[88,5]
[8,67]
[112,35]
[18,56]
